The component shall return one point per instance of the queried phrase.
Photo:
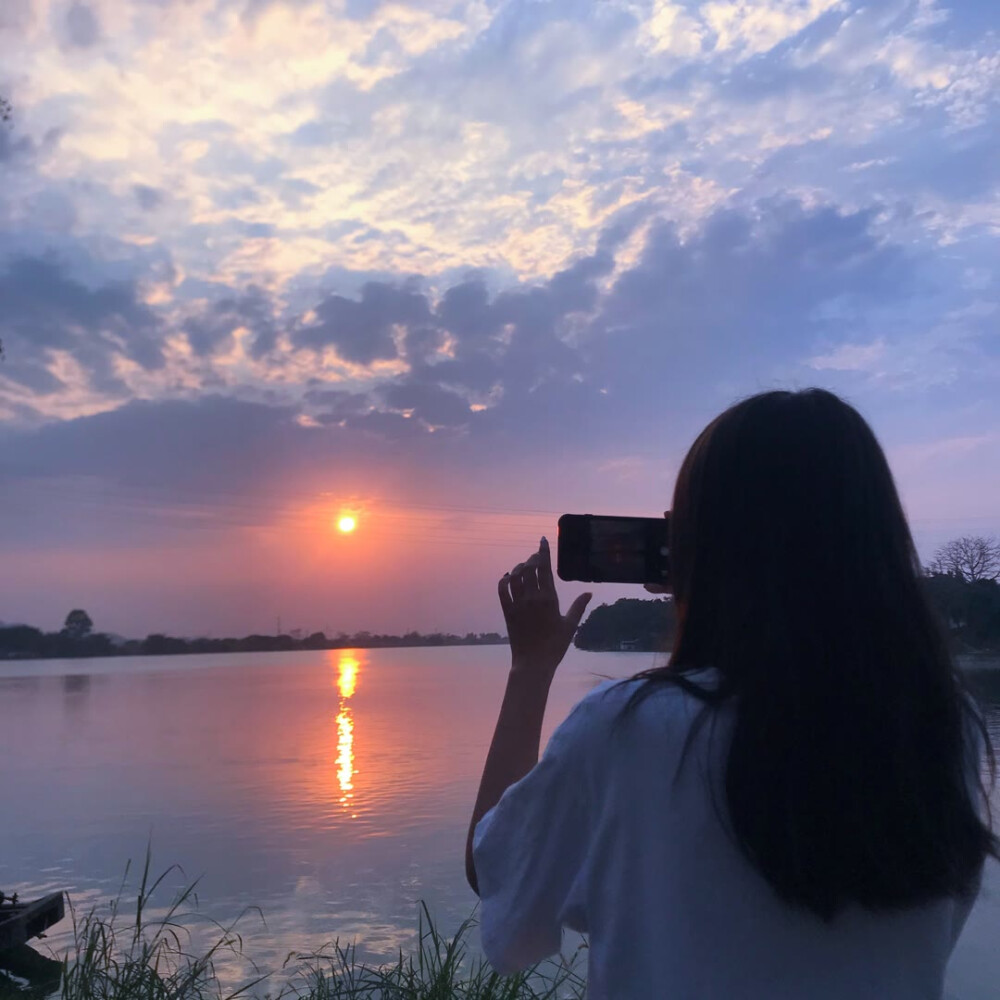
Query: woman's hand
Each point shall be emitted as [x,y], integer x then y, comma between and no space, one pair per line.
[539,634]
[539,638]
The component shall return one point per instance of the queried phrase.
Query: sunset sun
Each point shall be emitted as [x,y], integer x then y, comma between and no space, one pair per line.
[346,524]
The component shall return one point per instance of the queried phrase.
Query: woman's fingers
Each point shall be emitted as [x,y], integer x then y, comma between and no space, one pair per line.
[530,579]
[503,590]
[524,578]
[517,582]
[530,575]
[576,610]
[545,582]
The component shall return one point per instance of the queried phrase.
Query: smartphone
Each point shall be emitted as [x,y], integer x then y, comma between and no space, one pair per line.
[598,549]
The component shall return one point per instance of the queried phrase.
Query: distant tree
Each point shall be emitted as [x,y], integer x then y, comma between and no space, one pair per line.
[969,611]
[317,640]
[950,596]
[158,644]
[97,644]
[630,623]
[983,629]
[20,640]
[78,624]
[970,558]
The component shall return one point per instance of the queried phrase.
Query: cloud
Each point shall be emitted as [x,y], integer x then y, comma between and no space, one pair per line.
[592,348]
[82,25]
[48,317]
[363,331]
[850,357]
[494,234]
[740,298]
[12,148]
[201,452]
[504,138]
[761,292]
[758,26]
[209,329]
[16,15]
[448,388]
[434,405]
[147,197]
[337,406]
[671,29]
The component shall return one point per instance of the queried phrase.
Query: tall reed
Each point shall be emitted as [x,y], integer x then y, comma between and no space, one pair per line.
[440,970]
[119,955]
[147,958]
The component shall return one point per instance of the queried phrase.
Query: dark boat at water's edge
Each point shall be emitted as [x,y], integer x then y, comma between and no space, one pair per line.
[20,922]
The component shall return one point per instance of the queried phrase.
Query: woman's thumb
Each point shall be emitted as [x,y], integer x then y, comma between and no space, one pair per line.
[577,608]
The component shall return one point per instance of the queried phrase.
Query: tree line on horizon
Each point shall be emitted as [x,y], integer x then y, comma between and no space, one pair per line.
[78,639]
[962,582]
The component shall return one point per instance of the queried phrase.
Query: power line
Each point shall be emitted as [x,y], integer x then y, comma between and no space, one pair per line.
[260,498]
[239,509]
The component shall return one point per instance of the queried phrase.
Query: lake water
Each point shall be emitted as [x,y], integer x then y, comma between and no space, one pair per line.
[331,789]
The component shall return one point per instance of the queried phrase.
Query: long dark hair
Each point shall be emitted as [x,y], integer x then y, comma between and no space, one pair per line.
[848,778]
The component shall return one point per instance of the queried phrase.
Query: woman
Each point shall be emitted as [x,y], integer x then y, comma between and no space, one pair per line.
[792,806]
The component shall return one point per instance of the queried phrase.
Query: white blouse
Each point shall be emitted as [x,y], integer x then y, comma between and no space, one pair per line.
[600,837]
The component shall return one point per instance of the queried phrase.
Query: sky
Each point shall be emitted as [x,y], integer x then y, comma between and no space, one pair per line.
[455,268]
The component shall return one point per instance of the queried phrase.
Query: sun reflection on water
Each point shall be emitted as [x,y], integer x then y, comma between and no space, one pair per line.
[348,666]
[347,675]
[345,755]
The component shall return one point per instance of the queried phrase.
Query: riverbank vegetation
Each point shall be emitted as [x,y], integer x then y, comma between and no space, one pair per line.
[77,639]
[121,952]
[630,624]
[962,583]
[968,610]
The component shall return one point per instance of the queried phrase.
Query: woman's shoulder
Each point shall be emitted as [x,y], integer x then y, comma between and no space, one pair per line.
[611,702]
[610,694]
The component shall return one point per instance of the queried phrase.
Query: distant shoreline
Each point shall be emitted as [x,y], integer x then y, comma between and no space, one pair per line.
[24,642]
[981,661]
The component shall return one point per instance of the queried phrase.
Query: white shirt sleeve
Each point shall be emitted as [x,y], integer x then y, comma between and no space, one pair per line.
[529,849]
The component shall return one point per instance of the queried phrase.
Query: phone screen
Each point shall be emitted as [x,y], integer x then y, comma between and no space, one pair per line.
[597,548]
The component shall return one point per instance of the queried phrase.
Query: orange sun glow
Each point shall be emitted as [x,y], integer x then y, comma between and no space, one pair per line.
[347,524]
